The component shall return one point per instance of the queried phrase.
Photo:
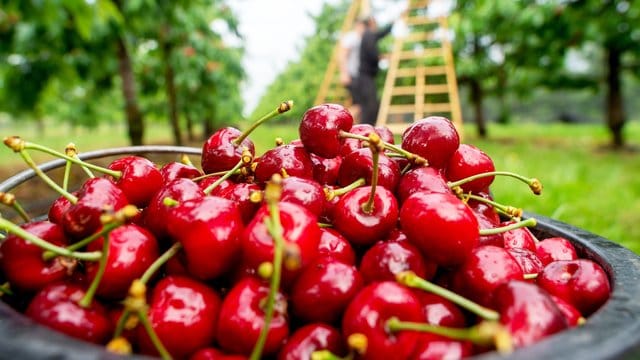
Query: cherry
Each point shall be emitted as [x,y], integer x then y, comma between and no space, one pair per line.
[210,179]
[528,312]
[555,248]
[310,338]
[242,317]
[326,281]
[368,313]
[95,195]
[350,145]
[441,226]
[304,192]
[175,170]
[434,138]
[385,259]
[325,171]
[333,244]
[423,178]
[362,227]
[581,282]
[487,218]
[56,306]
[467,161]
[58,208]
[139,180]
[246,196]
[132,249]
[528,260]
[209,230]
[320,129]
[385,134]
[220,152]
[571,314]
[359,164]
[440,311]
[156,214]
[486,268]
[519,238]
[294,160]
[436,347]
[210,353]
[22,262]
[184,315]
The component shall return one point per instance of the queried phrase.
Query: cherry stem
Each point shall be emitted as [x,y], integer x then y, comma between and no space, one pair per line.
[71,151]
[410,279]
[159,262]
[5,289]
[485,333]
[328,355]
[282,108]
[374,145]
[408,155]
[272,196]
[331,193]
[530,222]
[510,211]
[530,276]
[10,200]
[29,161]
[60,251]
[144,319]
[245,160]
[534,184]
[86,300]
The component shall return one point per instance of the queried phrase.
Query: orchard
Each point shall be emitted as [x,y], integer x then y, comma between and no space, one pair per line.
[338,245]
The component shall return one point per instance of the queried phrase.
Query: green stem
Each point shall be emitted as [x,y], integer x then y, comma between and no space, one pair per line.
[66,176]
[530,222]
[331,193]
[283,107]
[60,251]
[367,207]
[144,319]
[102,266]
[225,176]
[410,279]
[29,161]
[391,147]
[20,210]
[113,173]
[534,184]
[505,209]
[328,355]
[122,322]
[106,228]
[157,264]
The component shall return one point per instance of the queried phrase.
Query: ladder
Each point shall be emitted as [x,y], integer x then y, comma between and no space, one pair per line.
[421,78]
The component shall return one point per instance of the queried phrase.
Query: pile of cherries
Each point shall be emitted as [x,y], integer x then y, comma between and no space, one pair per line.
[339,245]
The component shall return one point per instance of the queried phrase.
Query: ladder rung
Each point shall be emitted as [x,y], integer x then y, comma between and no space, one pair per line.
[424,53]
[397,128]
[402,109]
[418,4]
[419,36]
[403,90]
[437,107]
[428,70]
[436,89]
[420,20]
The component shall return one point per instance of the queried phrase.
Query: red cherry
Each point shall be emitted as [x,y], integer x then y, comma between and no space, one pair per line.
[310,338]
[209,230]
[528,312]
[555,248]
[56,306]
[204,184]
[571,314]
[435,347]
[184,314]
[441,226]
[210,353]
[175,170]
[467,161]
[22,263]
[581,282]
[156,215]
[424,178]
[304,192]
[333,244]
[294,160]
[385,134]
[325,171]
[440,311]
[487,219]
[58,208]
[368,313]
[385,259]
[132,249]
[242,318]
[434,138]
[219,153]
[350,145]
[360,227]
[519,238]
[326,281]
[527,259]
[320,129]
[241,195]
[140,179]
[359,164]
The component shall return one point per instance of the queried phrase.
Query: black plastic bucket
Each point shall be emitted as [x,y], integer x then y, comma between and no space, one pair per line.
[613,332]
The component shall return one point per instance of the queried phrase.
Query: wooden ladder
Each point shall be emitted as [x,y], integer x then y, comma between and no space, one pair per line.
[421,78]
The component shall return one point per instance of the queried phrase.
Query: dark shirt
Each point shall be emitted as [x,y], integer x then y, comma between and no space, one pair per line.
[369,53]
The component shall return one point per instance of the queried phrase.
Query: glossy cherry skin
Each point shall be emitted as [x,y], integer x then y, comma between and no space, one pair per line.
[435,347]
[209,180]
[359,165]
[527,259]
[434,138]
[441,226]
[528,312]
[362,228]
[368,313]
[423,178]
[571,314]
[325,171]
[96,194]
[581,282]
[555,248]
[240,194]
[467,161]
[305,192]
[132,249]
[156,214]
[293,159]
[310,338]
[242,319]
[333,244]
[385,134]
[56,306]
[176,170]
[184,314]
[22,263]
[349,144]
[211,353]
[486,268]
[440,311]
[209,230]
[385,259]
[58,208]
[320,129]
[328,282]
[140,179]
[519,238]
[219,153]
[299,228]
[487,219]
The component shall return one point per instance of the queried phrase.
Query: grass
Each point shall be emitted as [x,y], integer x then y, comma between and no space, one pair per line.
[586,184]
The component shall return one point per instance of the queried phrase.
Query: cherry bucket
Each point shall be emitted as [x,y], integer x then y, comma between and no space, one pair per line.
[610,333]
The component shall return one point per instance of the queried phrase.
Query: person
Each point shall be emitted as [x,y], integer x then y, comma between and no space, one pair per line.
[368,69]
[349,63]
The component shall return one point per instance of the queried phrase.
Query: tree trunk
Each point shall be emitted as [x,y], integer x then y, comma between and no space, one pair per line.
[615,106]
[135,120]
[169,78]
[190,135]
[477,97]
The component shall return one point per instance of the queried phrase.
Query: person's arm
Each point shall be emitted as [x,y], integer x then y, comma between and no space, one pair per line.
[384,31]
[343,55]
